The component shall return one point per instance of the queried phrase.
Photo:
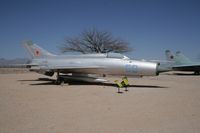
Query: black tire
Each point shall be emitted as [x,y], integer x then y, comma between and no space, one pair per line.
[60,81]
[196,73]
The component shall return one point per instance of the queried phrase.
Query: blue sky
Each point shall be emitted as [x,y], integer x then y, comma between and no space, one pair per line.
[150,26]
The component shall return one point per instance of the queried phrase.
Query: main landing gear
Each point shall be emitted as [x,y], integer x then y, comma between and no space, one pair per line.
[60,80]
[196,73]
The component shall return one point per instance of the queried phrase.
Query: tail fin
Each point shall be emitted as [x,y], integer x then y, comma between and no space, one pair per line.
[35,51]
[182,59]
[169,55]
[178,59]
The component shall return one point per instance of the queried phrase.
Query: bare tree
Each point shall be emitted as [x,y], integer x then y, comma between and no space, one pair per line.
[94,41]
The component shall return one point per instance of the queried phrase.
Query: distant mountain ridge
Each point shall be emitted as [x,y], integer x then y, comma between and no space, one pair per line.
[13,62]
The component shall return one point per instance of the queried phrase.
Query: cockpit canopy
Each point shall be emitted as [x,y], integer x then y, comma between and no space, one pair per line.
[117,55]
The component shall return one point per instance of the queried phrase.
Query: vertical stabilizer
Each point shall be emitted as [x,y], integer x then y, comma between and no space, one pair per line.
[169,55]
[35,51]
[178,58]
[182,59]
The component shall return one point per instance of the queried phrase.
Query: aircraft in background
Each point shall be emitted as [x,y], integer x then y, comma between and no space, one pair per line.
[83,67]
[180,62]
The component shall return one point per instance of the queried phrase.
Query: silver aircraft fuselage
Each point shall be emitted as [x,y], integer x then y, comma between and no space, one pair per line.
[104,65]
[80,66]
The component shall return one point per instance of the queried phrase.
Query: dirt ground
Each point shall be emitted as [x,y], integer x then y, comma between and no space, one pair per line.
[164,104]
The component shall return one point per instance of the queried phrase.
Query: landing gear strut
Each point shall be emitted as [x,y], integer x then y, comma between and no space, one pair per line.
[60,80]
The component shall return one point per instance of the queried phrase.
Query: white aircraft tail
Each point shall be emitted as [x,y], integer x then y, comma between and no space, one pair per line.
[35,51]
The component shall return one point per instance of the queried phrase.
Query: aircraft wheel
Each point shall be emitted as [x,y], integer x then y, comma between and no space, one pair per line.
[60,81]
[196,73]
